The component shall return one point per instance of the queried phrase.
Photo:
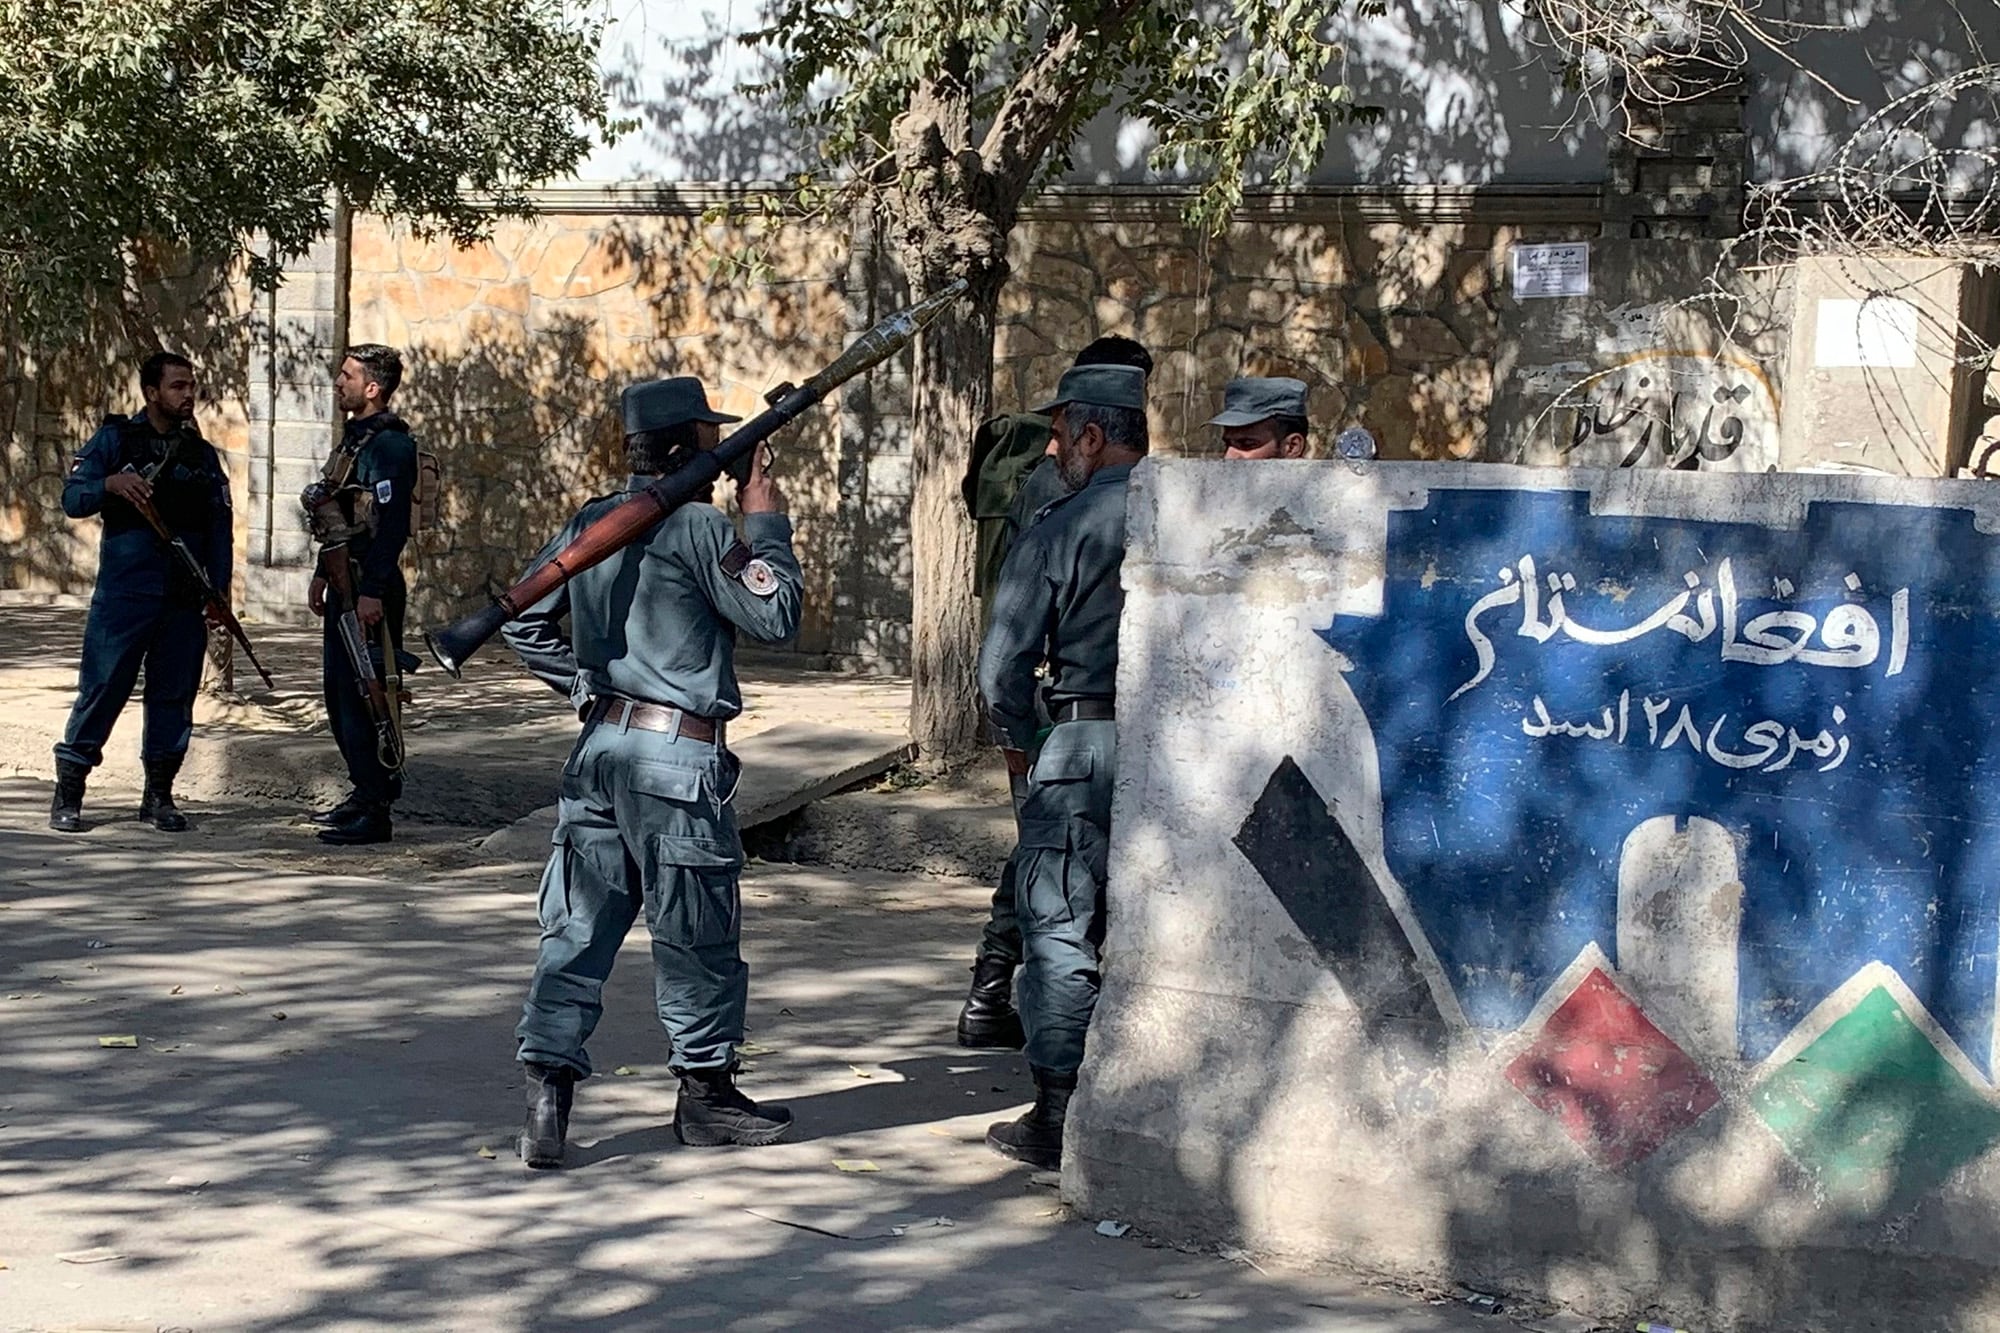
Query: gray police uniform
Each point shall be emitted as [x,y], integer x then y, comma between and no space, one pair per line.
[644,821]
[1001,938]
[1059,600]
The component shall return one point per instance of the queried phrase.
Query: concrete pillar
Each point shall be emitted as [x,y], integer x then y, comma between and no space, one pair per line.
[293,425]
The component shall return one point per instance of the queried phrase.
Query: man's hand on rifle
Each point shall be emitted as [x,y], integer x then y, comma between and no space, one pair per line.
[129,487]
[213,616]
[316,596]
[760,494]
[368,610]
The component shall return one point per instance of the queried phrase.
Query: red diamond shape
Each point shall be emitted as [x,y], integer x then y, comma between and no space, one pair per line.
[1619,1085]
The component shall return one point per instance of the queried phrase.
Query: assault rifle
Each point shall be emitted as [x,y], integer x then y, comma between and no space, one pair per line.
[217,604]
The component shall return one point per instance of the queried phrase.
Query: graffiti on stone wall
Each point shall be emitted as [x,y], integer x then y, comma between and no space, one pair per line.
[1687,410]
[1688,815]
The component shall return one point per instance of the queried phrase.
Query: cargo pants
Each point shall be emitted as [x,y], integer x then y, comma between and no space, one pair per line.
[1059,877]
[644,825]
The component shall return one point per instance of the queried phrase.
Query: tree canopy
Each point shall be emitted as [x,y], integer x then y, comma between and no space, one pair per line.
[1228,91]
[947,116]
[211,126]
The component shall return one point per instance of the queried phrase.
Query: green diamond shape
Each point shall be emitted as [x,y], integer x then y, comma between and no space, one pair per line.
[1875,1110]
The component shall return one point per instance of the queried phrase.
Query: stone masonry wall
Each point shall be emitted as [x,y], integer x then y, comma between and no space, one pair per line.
[50,405]
[517,350]
[1397,325]
[1396,306]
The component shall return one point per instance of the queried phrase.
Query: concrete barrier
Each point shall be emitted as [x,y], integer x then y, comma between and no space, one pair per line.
[1578,883]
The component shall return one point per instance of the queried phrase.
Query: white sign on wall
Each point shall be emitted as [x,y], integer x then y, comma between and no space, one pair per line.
[1551,270]
[1879,331]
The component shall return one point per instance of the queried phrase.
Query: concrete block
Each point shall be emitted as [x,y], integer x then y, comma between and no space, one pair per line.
[1541,879]
[1879,375]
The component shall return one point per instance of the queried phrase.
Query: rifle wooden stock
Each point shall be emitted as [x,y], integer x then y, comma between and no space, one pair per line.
[634,518]
[217,604]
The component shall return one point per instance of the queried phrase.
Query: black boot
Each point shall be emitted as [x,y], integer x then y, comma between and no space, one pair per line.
[711,1112]
[368,824]
[350,806]
[551,1091]
[988,1020]
[1036,1138]
[157,805]
[66,811]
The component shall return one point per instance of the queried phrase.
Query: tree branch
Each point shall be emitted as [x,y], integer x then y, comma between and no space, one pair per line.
[1038,104]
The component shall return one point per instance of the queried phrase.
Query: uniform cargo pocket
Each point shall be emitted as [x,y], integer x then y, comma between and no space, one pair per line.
[1061,766]
[696,850]
[691,893]
[1062,872]
[670,781]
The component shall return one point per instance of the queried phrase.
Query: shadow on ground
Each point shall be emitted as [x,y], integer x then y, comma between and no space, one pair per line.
[313,1130]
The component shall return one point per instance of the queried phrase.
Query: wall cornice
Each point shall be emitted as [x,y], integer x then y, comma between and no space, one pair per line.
[1412,204]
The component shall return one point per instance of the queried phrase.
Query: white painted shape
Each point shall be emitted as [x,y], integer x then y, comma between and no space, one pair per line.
[1556,270]
[1876,332]
[1680,916]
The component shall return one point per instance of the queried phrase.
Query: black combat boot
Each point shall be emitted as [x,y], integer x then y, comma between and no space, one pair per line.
[551,1090]
[66,811]
[988,1020]
[1036,1138]
[157,805]
[711,1112]
[350,806]
[368,824]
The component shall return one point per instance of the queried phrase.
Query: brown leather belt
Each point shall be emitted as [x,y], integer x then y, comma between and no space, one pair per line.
[653,717]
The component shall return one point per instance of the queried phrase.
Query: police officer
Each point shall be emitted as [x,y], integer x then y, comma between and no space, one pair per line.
[1263,417]
[1012,479]
[146,609]
[375,471]
[1059,601]
[645,821]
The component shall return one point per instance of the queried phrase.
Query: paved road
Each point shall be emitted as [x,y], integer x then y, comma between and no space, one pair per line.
[300,1138]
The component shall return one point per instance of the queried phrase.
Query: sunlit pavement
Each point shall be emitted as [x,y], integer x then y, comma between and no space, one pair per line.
[312,1124]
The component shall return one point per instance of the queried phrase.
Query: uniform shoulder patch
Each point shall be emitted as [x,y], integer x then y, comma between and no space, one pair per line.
[384,490]
[756,576]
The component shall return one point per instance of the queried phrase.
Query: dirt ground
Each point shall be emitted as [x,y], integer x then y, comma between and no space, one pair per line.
[248,1082]
[245,1088]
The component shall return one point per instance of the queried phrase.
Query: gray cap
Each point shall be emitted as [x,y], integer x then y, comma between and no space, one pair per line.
[658,404]
[1247,401]
[1101,386]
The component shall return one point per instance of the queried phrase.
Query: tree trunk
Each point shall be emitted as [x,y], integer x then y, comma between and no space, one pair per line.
[951,391]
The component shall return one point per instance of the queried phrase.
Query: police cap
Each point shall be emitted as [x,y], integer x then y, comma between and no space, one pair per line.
[1100,386]
[1252,399]
[658,404]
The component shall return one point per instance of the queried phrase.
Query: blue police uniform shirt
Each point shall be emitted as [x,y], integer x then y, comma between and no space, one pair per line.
[191,495]
[658,621]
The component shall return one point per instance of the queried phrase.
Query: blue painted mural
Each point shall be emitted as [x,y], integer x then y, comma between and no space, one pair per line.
[1542,682]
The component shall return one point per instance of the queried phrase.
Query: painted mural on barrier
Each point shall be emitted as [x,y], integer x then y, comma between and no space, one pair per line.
[1733,777]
